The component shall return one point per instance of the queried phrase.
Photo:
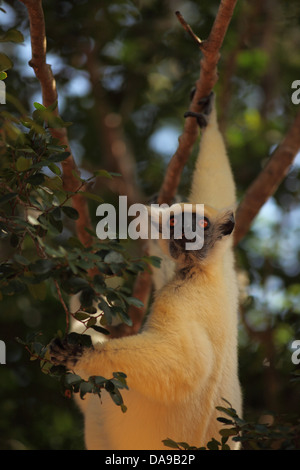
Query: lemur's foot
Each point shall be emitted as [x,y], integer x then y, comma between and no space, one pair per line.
[200,117]
[206,103]
[64,353]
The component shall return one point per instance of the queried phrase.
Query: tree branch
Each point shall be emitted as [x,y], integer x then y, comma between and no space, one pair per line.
[208,77]
[268,180]
[45,76]
[142,291]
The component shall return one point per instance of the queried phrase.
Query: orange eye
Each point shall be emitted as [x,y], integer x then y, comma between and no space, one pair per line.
[172,222]
[203,223]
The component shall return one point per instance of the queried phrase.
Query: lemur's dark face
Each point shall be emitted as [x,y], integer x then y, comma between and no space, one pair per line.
[193,234]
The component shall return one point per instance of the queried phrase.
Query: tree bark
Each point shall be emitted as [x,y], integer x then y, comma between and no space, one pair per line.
[210,49]
[267,182]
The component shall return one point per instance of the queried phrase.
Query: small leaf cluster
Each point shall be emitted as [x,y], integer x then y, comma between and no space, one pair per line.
[250,435]
[72,383]
[95,385]
[11,35]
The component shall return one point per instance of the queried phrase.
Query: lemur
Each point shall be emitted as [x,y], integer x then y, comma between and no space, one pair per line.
[184,360]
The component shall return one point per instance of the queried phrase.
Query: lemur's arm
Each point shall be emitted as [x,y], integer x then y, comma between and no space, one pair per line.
[213,183]
[154,367]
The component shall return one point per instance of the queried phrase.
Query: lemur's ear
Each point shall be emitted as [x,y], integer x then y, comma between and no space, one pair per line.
[228,225]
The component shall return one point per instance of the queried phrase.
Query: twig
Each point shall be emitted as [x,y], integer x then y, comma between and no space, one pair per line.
[268,180]
[208,78]
[188,29]
[45,76]
[63,304]
[142,291]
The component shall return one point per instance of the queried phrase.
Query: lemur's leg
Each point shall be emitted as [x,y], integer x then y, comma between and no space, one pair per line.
[213,183]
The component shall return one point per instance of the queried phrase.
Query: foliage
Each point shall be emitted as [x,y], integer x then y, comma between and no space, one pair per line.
[250,435]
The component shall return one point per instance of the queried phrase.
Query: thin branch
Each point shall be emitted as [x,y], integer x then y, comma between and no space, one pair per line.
[45,76]
[63,304]
[208,78]
[268,180]
[142,291]
[188,29]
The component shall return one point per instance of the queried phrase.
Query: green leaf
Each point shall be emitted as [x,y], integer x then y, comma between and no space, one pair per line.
[56,224]
[21,260]
[14,240]
[52,106]
[72,379]
[122,315]
[170,443]
[90,310]
[213,444]
[55,169]
[120,379]
[99,329]
[22,163]
[7,197]
[133,301]
[56,213]
[92,196]
[154,260]
[228,432]
[12,35]
[85,387]
[36,180]
[38,105]
[80,316]
[123,408]
[225,421]
[114,257]
[99,380]
[5,62]
[70,212]
[87,297]
[102,305]
[116,396]
[92,321]
[103,174]
[42,266]
[58,157]
[229,411]
[75,285]
[55,184]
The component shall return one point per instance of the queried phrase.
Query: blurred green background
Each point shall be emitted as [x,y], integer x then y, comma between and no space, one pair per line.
[133,59]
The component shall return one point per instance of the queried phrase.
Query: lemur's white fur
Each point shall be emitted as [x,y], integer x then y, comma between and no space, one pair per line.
[185,359]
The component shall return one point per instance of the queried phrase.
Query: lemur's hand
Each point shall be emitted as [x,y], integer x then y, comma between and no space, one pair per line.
[64,353]
[207,104]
